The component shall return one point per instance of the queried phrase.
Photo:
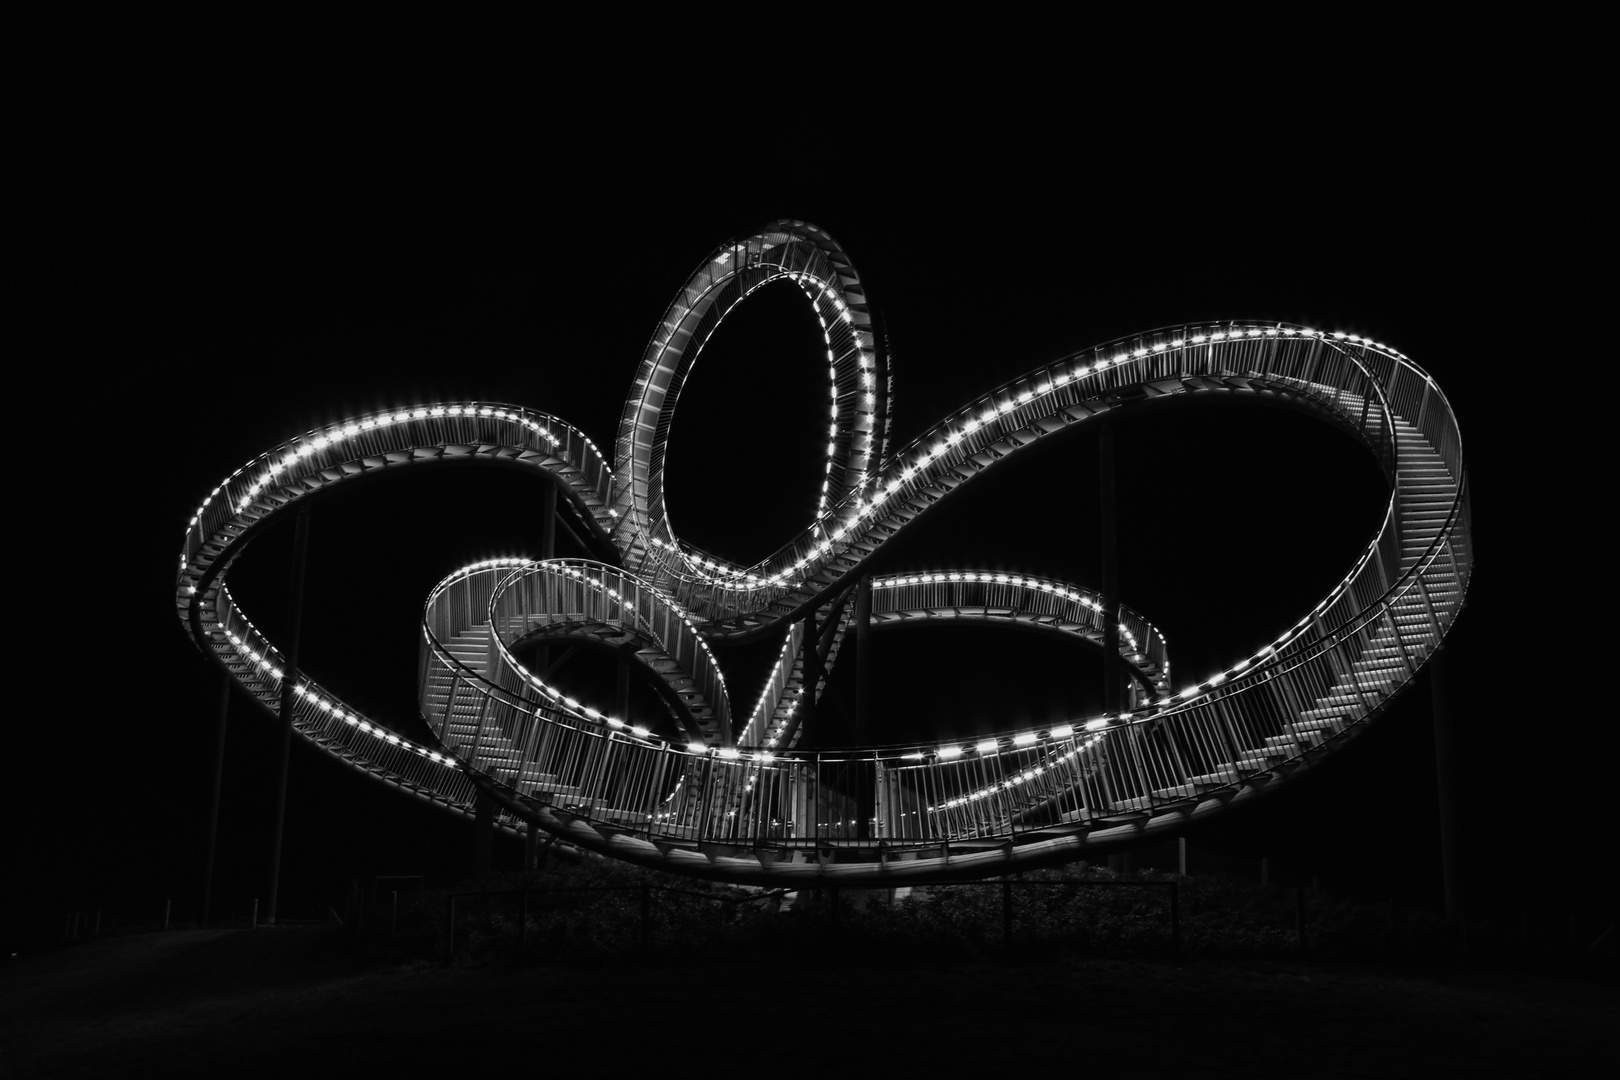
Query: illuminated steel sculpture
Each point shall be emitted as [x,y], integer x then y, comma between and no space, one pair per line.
[730,797]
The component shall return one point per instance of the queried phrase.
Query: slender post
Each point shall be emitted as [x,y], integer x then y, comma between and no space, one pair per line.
[1299,917]
[548,525]
[611,764]
[289,679]
[807,716]
[1448,777]
[812,672]
[1107,518]
[531,846]
[213,796]
[863,699]
[548,550]
[1181,856]
[1108,521]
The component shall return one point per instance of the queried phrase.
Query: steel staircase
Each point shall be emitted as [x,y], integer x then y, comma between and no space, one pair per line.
[736,801]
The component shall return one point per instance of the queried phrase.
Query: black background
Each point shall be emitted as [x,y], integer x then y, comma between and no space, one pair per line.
[220,273]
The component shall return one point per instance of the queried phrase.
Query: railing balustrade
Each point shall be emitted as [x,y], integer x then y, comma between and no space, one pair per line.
[1244,724]
[505,727]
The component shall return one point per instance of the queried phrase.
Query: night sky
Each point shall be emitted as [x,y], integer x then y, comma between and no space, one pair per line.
[241,278]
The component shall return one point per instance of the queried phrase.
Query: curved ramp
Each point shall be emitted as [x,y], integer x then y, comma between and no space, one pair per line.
[731,797]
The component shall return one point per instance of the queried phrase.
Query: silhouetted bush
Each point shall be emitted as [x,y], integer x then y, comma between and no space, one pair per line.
[590,914]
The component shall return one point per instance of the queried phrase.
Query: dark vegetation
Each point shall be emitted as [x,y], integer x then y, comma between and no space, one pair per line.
[915,986]
[591,914]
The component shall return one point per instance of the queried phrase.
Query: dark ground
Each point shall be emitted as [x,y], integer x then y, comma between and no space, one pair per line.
[265,1003]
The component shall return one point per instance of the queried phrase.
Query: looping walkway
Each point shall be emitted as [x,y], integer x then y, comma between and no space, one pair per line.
[717,788]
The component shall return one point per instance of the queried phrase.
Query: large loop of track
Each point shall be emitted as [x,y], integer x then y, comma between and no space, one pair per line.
[718,789]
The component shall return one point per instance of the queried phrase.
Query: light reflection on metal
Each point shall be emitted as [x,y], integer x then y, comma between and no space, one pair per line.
[613,783]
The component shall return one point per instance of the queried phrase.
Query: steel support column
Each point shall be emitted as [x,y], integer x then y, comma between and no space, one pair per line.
[621,709]
[1107,518]
[865,795]
[531,846]
[289,680]
[548,550]
[811,671]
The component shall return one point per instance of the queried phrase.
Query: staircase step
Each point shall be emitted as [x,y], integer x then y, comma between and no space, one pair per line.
[1222,774]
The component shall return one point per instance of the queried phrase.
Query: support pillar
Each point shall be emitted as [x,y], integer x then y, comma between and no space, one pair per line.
[812,672]
[621,709]
[1448,778]
[807,718]
[865,793]
[1107,518]
[548,525]
[213,797]
[289,679]
[548,550]
[531,847]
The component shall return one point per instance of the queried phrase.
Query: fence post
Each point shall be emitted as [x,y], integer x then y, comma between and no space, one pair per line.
[646,921]
[1175,916]
[1006,919]
[450,934]
[523,918]
[167,904]
[254,925]
[1299,916]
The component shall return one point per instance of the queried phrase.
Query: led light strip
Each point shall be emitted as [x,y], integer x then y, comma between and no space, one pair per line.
[923,458]
[995,406]
[864,495]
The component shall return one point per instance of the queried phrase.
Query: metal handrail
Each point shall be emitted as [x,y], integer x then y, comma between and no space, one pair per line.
[612,783]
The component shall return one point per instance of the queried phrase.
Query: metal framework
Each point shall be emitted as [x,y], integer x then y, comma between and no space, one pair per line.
[729,796]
